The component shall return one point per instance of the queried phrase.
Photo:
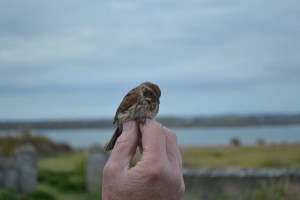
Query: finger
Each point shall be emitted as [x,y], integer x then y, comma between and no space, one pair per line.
[125,146]
[173,151]
[153,142]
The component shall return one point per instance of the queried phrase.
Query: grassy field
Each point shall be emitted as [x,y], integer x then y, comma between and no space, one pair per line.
[245,156]
[62,162]
[72,163]
[194,157]
[61,177]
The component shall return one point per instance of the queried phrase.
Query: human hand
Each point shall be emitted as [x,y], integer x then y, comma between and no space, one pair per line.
[157,176]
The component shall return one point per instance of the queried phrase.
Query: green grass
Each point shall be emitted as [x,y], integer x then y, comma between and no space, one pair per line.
[280,155]
[13,195]
[244,156]
[68,169]
[62,162]
[247,156]
[209,157]
[68,195]
[42,144]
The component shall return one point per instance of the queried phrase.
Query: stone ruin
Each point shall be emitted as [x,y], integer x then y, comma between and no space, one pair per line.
[230,180]
[19,172]
[96,159]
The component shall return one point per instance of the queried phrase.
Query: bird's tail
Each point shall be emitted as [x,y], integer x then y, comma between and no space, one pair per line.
[110,145]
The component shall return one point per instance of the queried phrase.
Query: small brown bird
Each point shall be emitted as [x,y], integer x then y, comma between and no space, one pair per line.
[139,103]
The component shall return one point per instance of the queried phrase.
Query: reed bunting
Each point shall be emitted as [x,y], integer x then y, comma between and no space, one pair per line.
[139,103]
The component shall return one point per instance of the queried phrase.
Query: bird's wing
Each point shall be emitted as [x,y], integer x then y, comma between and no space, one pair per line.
[130,99]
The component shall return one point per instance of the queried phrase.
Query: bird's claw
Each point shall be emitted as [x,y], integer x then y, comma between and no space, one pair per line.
[141,121]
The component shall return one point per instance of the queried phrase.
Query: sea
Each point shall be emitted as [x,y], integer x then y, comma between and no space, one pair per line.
[187,136]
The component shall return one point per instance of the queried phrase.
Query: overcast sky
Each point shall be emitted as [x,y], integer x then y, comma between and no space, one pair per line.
[76,59]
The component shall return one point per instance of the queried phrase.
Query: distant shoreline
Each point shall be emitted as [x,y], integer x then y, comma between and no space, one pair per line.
[215,121]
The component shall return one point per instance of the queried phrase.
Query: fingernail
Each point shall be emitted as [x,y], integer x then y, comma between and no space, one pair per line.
[128,125]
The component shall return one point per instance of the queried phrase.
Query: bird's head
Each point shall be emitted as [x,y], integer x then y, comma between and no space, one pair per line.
[150,92]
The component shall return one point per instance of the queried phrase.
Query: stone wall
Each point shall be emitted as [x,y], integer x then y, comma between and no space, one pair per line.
[95,160]
[20,171]
[206,182]
[211,181]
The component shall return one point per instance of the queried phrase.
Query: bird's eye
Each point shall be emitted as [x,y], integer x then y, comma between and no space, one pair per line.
[148,93]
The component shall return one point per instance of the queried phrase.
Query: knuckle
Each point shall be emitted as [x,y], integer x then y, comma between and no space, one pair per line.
[109,170]
[172,135]
[155,172]
[177,180]
[123,139]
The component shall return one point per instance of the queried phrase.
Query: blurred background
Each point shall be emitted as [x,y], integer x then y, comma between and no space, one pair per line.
[228,71]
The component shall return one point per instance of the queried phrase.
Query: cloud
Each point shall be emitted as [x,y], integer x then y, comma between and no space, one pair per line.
[210,50]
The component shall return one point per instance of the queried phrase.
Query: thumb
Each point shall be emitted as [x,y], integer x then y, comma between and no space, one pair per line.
[125,146]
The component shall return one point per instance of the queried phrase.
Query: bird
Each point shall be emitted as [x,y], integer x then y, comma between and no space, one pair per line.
[140,103]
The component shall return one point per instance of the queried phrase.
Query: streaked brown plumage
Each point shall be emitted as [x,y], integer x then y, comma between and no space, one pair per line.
[139,103]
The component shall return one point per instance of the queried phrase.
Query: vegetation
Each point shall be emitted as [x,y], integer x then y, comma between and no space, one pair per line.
[235,142]
[215,157]
[65,162]
[61,174]
[12,195]
[64,181]
[280,155]
[60,170]
[43,145]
